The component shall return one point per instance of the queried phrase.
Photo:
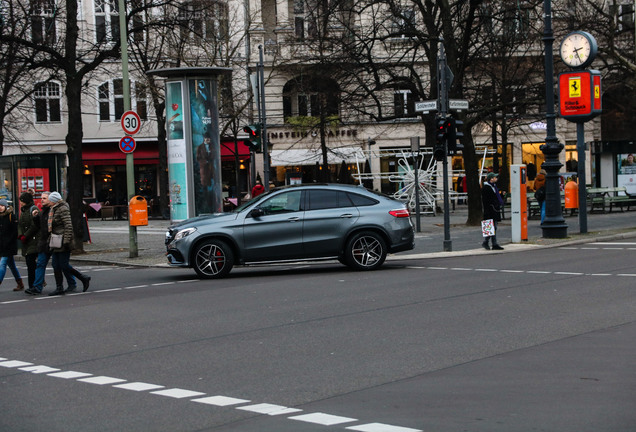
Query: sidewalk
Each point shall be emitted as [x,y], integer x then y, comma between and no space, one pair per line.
[110,239]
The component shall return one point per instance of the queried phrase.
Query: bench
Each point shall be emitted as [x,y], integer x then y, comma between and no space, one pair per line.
[609,196]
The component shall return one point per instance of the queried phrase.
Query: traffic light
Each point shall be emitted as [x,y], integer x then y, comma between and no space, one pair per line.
[453,135]
[254,137]
[439,151]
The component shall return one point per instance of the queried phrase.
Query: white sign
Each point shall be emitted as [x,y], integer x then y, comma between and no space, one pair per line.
[458,104]
[130,122]
[426,106]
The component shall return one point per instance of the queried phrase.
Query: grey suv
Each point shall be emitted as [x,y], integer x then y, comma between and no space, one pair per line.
[315,221]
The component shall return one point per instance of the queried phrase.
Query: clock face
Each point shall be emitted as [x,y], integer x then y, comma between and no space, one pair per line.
[578,49]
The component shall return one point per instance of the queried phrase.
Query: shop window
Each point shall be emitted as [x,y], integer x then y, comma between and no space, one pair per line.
[47,103]
[110,96]
[43,29]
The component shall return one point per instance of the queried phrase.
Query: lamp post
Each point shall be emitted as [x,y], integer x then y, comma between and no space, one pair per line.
[554,225]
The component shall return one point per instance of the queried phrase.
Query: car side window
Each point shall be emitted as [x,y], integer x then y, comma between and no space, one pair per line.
[361,201]
[282,203]
[322,199]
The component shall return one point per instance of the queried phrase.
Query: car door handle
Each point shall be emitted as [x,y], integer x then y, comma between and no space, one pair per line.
[293,219]
[346,215]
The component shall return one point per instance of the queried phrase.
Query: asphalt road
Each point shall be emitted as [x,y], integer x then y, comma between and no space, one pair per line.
[533,340]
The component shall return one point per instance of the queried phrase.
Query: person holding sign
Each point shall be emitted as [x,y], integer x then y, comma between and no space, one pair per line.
[492,202]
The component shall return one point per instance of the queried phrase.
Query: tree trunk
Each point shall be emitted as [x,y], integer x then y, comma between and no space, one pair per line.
[471,166]
[74,172]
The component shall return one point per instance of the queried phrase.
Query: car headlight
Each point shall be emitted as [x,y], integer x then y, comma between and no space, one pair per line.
[184,233]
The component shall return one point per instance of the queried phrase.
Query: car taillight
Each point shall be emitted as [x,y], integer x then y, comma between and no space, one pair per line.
[400,213]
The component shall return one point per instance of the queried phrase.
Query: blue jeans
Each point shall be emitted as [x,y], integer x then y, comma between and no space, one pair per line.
[40,270]
[4,261]
[542,211]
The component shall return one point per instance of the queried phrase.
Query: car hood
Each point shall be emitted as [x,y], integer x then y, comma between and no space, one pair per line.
[205,219]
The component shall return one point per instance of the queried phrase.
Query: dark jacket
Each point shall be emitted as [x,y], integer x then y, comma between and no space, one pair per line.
[8,233]
[43,238]
[491,202]
[29,227]
[60,223]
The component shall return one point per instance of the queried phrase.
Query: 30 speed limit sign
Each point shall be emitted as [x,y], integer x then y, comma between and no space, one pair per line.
[130,122]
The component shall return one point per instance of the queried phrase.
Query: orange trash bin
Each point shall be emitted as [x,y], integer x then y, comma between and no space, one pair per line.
[138,211]
[571,195]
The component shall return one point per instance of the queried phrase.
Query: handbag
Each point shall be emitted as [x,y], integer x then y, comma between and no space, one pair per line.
[55,241]
[488,228]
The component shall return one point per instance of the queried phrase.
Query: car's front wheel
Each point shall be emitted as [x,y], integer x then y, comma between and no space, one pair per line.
[365,251]
[213,259]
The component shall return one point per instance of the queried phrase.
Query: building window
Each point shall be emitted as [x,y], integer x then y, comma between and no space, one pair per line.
[106,20]
[404,104]
[623,17]
[43,22]
[47,103]
[110,100]
[403,24]
[311,98]
[204,19]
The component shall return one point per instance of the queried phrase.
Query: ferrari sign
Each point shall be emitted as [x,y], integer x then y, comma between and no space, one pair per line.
[579,95]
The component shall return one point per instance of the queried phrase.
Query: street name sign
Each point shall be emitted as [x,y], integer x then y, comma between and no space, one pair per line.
[426,106]
[458,104]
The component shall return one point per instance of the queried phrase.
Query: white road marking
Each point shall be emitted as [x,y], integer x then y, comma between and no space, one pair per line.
[177,393]
[162,283]
[569,273]
[107,290]
[14,301]
[69,375]
[269,409]
[381,427]
[626,274]
[598,274]
[438,268]
[39,369]
[220,401]
[136,286]
[323,419]
[486,270]
[138,386]
[14,364]
[461,269]
[616,243]
[101,380]
[512,271]
[538,272]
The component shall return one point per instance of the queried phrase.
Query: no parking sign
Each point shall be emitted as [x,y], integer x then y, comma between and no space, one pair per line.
[127,144]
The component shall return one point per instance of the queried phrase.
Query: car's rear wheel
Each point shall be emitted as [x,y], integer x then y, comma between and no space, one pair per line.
[365,251]
[213,259]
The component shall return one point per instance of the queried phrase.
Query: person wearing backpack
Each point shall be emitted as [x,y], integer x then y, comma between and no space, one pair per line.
[29,234]
[8,243]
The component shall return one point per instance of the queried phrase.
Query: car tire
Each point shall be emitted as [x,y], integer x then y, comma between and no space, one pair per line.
[213,259]
[365,250]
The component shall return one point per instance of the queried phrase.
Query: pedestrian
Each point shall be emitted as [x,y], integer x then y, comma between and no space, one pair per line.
[492,202]
[59,223]
[29,234]
[257,189]
[539,192]
[9,243]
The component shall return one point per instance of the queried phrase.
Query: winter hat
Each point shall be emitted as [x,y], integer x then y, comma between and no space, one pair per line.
[26,198]
[55,197]
[3,202]
[488,177]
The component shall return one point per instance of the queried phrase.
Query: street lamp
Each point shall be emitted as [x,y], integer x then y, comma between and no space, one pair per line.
[554,225]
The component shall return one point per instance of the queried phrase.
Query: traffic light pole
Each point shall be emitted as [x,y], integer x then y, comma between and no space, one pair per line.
[263,119]
[443,82]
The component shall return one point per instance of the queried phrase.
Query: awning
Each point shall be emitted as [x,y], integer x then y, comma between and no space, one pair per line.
[146,153]
[311,156]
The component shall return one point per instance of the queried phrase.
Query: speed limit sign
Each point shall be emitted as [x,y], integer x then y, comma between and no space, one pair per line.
[130,122]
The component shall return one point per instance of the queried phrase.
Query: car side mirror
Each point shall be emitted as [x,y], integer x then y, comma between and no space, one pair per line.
[257,212]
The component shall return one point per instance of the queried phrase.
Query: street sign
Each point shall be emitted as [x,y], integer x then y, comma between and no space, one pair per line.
[458,104]
[426,106]
[127,144]
[130,122]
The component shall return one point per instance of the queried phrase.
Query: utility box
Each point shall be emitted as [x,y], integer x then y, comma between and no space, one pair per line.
[519,203]
[138,211]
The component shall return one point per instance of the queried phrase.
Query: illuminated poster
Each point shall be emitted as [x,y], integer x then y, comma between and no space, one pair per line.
[206,149]
[178,186]
[626,172]
[36,179]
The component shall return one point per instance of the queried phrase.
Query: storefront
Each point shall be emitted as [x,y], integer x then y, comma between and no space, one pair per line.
[38,172]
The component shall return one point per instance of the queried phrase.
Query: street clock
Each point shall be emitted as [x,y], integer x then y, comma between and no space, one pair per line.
[578,49]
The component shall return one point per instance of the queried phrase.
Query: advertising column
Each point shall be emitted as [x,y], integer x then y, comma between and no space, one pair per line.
[177,151]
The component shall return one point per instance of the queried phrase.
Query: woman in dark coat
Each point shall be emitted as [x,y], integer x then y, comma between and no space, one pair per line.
[29,234]
[9,243]
[492,202]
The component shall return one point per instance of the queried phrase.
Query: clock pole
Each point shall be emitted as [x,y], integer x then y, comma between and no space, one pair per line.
[554,225]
